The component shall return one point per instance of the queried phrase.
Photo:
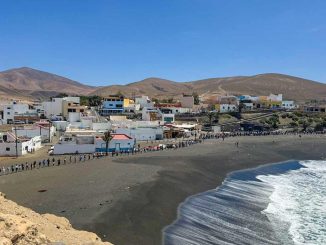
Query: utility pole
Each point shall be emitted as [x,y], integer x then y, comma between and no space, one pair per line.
[16,141]
[49,131]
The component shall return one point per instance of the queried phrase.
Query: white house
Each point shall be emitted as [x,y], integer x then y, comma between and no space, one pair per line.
[55,107]
[142,133]
[14,110]
[227,104]
[144,101]
[69,144]
[288,104]
[119,142]
[223,108]
[44,130]
[248,106]
[84,144]
[24,145]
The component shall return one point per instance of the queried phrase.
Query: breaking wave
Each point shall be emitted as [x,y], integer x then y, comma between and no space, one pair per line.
[283,203]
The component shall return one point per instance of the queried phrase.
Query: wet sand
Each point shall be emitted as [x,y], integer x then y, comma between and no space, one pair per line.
[131,199]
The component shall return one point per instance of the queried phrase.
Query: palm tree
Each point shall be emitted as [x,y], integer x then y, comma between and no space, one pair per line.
[107,137]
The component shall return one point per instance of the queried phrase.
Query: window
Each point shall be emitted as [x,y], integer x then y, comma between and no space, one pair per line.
[8,113]
[8,149]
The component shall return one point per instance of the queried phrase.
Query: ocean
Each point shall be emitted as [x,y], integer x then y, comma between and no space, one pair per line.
[282,203]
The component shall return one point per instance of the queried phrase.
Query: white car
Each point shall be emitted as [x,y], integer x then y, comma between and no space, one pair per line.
[163,146]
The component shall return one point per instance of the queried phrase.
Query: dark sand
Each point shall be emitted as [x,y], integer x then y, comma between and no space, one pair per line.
[130,200]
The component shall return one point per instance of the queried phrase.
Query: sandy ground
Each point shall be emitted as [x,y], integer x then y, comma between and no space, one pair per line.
[129,200]
[43,152]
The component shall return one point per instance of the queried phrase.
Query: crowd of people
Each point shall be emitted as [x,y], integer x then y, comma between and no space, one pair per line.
[81,158]
[224,135]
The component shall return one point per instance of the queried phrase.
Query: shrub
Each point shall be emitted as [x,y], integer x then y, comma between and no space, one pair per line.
[293,124]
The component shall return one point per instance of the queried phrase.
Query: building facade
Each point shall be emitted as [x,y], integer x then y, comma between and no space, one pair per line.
[113,104]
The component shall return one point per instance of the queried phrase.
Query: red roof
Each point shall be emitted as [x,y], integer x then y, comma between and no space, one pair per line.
[121,137]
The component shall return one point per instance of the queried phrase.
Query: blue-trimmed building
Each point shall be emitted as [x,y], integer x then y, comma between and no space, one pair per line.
[112,104]
[119,142]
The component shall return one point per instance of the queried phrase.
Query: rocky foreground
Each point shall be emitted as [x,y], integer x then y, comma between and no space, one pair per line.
[20,226]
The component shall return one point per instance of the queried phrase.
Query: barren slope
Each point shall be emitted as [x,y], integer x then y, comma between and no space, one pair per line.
[29,81]
[291,87]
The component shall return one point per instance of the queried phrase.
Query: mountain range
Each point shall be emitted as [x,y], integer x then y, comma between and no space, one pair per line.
[28,83]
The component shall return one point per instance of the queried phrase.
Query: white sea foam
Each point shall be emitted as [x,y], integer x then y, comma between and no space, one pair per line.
[288,208]
[298,203]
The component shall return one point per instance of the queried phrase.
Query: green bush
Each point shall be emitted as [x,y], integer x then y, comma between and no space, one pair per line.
[293,124]
[298,113]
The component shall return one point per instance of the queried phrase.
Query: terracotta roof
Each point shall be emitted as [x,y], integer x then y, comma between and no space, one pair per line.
[121,137]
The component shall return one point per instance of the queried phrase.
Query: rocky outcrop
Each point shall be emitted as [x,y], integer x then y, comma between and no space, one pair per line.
[20,226]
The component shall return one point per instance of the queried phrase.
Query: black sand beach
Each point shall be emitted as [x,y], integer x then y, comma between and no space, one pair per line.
[130,200]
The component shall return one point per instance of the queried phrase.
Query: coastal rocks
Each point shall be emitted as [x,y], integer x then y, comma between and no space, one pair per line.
[22,226]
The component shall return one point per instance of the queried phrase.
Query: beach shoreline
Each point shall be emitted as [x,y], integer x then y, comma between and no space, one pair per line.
[145,190]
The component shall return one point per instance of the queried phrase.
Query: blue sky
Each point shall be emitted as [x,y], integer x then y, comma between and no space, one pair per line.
[103,42]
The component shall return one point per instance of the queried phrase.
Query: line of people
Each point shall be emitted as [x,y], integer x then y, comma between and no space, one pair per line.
[256,133]
[79,158]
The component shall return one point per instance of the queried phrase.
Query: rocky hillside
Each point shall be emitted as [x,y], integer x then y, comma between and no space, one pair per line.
[28,82]
[22,226]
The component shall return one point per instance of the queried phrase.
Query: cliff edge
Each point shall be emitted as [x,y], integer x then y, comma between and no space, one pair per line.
[21,226]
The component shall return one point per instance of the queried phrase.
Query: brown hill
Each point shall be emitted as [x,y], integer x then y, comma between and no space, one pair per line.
[27,83]
[154,87]
[291,87]
[31,83]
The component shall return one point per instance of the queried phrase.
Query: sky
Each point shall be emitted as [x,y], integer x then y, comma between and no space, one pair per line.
[103,42]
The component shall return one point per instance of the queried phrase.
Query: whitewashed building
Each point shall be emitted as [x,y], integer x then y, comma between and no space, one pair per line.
[44,130]
[224,108]
[119,142]
[69,144]
[14,110]
[56,106]
[142,133]
[288,104]
[24,145]
[144,101]
[84,144]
